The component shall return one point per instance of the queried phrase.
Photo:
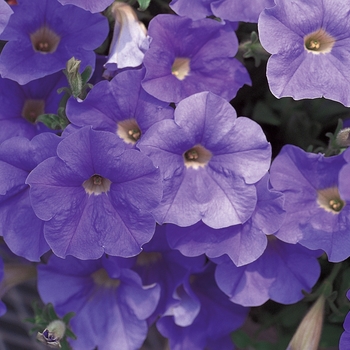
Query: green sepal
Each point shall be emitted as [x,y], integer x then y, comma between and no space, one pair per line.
[253,48]
[66,318]
[53,121]
[51,312]
[143,4]
[85,76]
[50,120]
[70,334]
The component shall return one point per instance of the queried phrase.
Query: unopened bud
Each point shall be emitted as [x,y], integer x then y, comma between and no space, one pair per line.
[308,334]
[129,42]
[52,334]
[74,77]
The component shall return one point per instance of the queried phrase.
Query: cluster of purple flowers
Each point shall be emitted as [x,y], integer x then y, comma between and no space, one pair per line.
[158,204]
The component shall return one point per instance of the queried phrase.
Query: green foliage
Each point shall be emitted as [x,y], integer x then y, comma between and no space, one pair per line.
[271,326]
[53,121]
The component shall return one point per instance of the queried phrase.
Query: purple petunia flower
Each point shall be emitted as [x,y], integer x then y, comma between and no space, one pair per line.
[22,104]
[42,43]
[2,305]
[110,303]
[344,343]
[344,176]
[186,57]
[281,273]
[89,5]
[5,13]
[242,243]
[310,47]
[96,196]
[160,264]
[20,227]
[120,106]
[316,214]
[203,317]
[210,161]
[232,10]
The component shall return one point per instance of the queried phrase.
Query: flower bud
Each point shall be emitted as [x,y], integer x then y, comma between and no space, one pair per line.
[52,334]
[307,336]
[74,77]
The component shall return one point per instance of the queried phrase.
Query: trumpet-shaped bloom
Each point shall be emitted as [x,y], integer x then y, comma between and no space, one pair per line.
[310,45]
[130,40]
[210,161]
[242,243]
[42,43]
[344,176]
[2,305]
[120,106]
[160,264]
[110,303]
[203,317]
[316,214]
[186,57]
[281,273]
[22,104]
[95,196]
[21,228]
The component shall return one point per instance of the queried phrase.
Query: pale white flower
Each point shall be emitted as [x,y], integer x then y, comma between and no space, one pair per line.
[130,40]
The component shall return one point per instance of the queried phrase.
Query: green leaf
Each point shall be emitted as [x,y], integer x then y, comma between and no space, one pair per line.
[143,4]
[241,339]
[51,312]
[330,336]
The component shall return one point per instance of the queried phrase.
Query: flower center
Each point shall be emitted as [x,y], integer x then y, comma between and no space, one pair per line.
[148,258]
[32,109]
[96,185]
[181,68]
[329,199]
[197,157]
[44,40]
[319,42]
[101,278]
[129,131]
